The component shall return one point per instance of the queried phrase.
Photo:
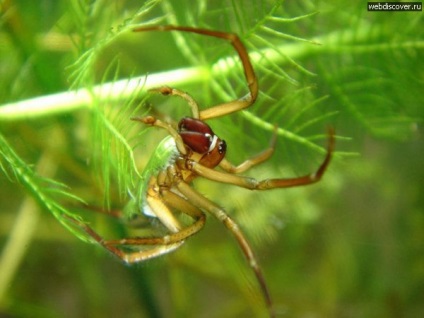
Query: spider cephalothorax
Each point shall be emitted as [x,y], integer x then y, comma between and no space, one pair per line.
[193,150]
[199,138]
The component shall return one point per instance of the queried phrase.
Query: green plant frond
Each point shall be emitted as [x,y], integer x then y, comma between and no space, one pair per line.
[292,100]
[46,192]
[82,69]
[189,51]
[364,78]
[377,112]
[284,35]
[263,61]
[265,14]
[268,64]
[318,119]
[365,75]
[281,55]
[112,139]
[290,20]
[266,126]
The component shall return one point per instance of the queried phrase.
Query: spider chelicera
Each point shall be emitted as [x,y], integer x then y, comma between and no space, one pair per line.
[193,150]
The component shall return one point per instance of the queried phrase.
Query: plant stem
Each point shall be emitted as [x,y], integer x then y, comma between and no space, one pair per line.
[64,102]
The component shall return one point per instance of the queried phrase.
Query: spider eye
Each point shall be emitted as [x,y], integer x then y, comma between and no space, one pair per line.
[222,147]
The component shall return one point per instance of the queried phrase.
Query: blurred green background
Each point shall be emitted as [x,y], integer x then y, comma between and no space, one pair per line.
[349,246]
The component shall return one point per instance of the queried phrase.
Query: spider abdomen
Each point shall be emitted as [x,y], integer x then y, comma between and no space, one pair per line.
[164,156]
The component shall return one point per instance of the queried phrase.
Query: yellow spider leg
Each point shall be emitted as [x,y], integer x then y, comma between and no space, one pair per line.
[169,91]
[253,184]
[205,204]
[249,163]
[252,82]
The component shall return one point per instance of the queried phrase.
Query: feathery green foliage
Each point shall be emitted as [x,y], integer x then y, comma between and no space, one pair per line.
[72,80]
[47,192]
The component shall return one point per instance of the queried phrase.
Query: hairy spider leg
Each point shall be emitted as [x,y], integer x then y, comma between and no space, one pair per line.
[253,184]
[232,106]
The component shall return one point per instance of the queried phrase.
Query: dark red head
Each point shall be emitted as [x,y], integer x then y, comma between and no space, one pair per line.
[199,137]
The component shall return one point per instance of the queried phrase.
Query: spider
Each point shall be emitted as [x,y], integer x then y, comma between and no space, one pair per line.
[193,150]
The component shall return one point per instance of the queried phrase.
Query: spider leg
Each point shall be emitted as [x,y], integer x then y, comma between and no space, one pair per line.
[253,184]
[168,91]
[175,202]
[249,163]
[229,107]
[127,257]
[205,204]
[152,121]
[161,245]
